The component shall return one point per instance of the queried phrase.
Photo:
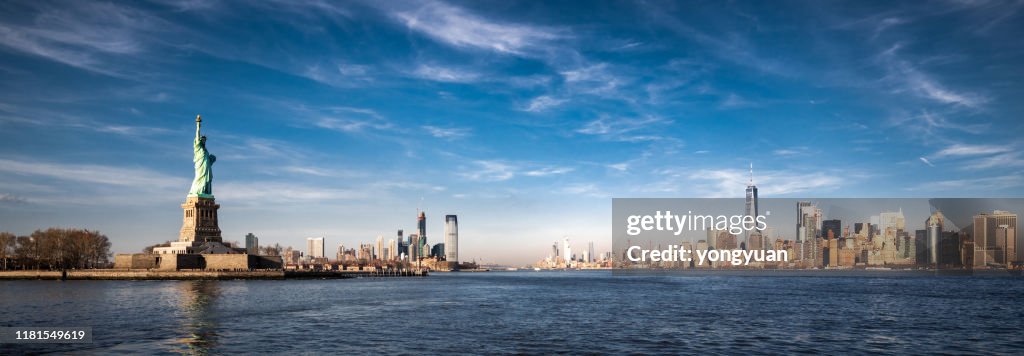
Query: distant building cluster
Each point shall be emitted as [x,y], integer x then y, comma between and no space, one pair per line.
[882,241]
[565,258]
[401,251]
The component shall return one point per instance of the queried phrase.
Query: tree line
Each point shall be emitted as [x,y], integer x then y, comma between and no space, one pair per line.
[54,249]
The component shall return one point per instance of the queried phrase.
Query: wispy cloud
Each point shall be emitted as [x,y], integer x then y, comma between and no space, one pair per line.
[623,129]
[962,186]
[96,174]
[792,151]
[621,167]
[11,199]
[1004,161]
[734,101]
[542,103]
[547,171]
[86,35]
[316,171]
[934,126]
[926,161]
[584,189]
[448,133]
[127,130]
[496,170]
[724,183]
[264,192]
[484,170]
[445,74]
[352,120]
[731,46]
[460,28]
[979,157]
[907,77]
[339,74]
[885,24]
[960,149]
[351,125]
[597,79]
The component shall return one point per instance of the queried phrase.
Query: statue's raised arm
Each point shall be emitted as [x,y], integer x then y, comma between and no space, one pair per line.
[199,121]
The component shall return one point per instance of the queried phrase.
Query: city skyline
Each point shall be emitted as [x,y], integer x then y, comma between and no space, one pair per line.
[523,119]
[840,233]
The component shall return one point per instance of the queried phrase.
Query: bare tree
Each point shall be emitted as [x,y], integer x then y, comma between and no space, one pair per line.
[7,243]
[59,249]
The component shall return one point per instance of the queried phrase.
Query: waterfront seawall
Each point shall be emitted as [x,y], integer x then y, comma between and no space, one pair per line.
[115,274]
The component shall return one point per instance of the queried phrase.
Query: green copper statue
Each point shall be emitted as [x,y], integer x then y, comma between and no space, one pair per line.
[202,185]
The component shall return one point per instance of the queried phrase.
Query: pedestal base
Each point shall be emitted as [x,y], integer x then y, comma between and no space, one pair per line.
[200,220]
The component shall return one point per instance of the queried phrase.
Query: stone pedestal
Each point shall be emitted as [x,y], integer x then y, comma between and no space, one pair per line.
[200,221]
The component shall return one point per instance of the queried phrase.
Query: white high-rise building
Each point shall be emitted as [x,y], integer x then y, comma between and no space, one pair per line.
[392,250]
[315,247]
[252,244]
[379,254]
[567,251]
[451,238]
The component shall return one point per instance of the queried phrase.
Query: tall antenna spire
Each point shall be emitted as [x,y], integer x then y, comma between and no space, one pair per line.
[751,173]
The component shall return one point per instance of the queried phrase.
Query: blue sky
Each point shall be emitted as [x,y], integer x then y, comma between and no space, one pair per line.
[339,119]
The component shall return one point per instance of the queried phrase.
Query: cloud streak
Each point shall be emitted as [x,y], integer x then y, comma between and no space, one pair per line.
[728,183]
[460,28]
[908,77]
[623,129]
[93,174]
[450,133]
[499,171]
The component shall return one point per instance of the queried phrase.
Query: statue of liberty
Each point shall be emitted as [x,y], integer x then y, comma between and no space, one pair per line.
[202,185]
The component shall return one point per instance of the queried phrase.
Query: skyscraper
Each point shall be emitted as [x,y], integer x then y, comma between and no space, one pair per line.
[567,252]
[934,227]
[252,244]
[800,215]
[392,251]
[315,247]
[808,225]
[590,252]
[437,250]
[403,245]
[421,225]
[751,206]
[379,253]
[451,238]
[994,243]
[1006,235]
[414,248]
